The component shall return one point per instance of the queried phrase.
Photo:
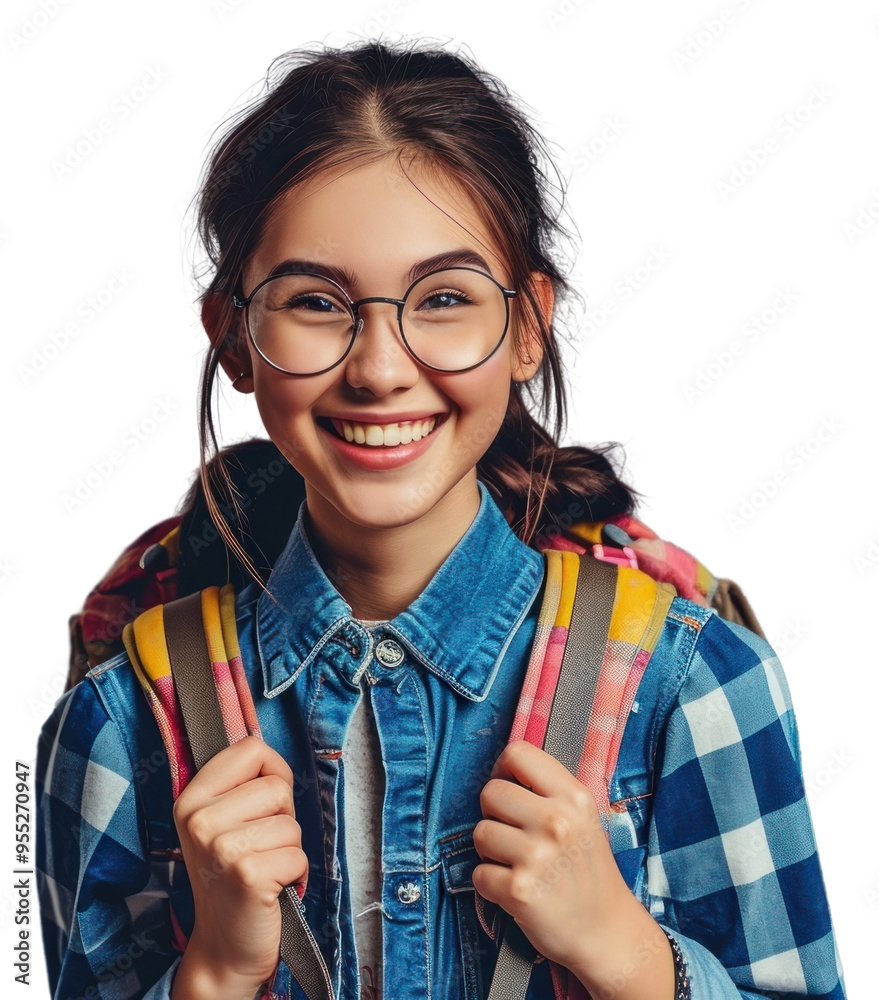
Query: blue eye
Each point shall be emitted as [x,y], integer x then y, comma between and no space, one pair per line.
[307,300]
[448,295]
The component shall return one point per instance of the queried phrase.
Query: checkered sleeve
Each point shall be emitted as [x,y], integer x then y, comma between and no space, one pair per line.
[104,926]
[732,866]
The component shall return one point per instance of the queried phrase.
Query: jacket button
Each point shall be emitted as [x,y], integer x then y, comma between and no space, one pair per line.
[408,892]
[389,652]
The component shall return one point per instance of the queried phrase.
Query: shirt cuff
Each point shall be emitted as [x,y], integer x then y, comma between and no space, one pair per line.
[707,974]
[162,989]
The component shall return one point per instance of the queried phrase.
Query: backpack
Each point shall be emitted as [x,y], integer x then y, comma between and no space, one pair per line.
[608,588]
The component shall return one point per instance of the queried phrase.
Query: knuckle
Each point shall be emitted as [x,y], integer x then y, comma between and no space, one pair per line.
[268,899]
[584,801]
[490,789]
[178,810]
[246,745]
[281,792]
[292,830]
[302,861]
[246,873]
[520,889]
[230,847]
[542,854]
[221,847]
[198,825]
[556,825]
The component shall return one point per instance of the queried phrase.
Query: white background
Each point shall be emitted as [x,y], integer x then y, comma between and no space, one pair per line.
[689,107]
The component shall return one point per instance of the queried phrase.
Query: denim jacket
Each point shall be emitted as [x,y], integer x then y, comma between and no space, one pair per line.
[710,825]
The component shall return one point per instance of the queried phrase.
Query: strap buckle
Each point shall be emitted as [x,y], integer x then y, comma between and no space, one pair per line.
[620,557]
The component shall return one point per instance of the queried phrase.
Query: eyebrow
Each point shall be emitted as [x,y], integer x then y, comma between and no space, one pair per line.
[460,257]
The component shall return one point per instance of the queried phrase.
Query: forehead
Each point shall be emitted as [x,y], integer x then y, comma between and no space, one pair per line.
[375,219]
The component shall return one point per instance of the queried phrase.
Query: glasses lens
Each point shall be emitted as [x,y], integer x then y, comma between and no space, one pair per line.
[454,319]
[300,322]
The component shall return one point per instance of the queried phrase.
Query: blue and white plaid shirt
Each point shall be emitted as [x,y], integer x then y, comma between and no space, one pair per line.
[715,838]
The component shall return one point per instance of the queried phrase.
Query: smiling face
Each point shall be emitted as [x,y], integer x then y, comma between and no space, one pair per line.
[374,224]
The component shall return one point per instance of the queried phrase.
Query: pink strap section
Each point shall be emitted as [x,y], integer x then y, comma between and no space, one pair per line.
[227,694]
[236,665]
[545,623]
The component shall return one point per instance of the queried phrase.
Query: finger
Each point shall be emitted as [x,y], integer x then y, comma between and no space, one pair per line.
[288,866]
[256,799]
[503,844]
[268,834]
[505,800]
[532,767]
[492,881]
[249,758]
[263,796]
[273,869]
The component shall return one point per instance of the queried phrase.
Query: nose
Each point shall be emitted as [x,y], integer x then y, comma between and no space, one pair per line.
[378,359]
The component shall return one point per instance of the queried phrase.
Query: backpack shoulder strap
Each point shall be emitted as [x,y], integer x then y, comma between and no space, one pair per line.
[597,627]
[188,661]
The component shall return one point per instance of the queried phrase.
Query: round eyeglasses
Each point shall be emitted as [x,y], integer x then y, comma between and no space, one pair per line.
[450,320]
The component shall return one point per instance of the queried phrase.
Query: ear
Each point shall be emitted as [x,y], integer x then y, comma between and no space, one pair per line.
[530,347]
[215,318]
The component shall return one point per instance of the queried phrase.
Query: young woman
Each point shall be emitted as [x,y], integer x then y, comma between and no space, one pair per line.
[383,284]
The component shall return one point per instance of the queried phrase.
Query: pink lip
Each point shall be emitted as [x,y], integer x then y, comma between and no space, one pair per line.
[362,417]
[380,457]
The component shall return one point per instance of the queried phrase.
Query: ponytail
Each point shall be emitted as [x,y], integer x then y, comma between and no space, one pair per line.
[543,488]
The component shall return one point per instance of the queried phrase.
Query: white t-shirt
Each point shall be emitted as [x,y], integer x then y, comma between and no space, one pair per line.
[364,794]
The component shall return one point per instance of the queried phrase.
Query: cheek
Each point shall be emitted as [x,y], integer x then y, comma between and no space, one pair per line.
[284,406]
[282,399]
[482,398]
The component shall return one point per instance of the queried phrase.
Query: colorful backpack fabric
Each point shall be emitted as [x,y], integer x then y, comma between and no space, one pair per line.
[609,585]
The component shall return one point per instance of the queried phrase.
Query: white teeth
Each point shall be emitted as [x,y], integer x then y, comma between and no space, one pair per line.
[391,435]
[386,435]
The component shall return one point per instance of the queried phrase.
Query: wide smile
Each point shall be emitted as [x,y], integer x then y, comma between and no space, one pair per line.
[380,455]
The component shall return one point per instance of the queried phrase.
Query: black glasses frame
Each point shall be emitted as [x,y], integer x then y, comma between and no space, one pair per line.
[354,307]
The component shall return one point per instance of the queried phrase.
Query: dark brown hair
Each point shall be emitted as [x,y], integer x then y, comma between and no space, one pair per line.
[329,106]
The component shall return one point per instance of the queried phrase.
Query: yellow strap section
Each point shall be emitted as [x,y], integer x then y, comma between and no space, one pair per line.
[704,578]
[171,542]
[635,596]
[213,629]
[640,608]
[551,590]
[149,638]
[665,594]
[131,647]
[590,531]
[570,572]
[227,617]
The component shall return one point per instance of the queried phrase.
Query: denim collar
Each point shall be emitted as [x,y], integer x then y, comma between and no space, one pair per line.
[459,627]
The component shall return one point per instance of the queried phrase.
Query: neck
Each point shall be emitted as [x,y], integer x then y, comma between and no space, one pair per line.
[381,571]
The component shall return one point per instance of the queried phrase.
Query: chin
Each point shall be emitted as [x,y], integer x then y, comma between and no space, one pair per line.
[389,507]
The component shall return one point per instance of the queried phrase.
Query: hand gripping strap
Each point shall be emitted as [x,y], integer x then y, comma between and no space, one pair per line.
[597,626]
[186,656]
